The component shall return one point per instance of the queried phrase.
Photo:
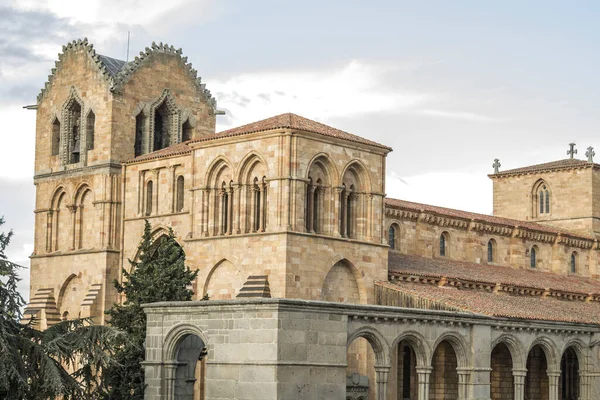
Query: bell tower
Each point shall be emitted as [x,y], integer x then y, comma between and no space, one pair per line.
[94,113]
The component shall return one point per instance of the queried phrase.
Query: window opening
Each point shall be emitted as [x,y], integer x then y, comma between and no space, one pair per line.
[55,137]
[89,130]
[179,196]
[149,190]
[533,261]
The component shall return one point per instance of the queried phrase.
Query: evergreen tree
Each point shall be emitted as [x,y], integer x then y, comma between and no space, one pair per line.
[159,274]
[34,364]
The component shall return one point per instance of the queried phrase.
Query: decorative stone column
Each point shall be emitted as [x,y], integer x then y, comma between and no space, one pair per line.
[553,377]
[238,198]
[336,212]
[229,226]
[381,376]
[519,376]
[423,374]
[73,209]
[464,375]
[311,209]
[205,212]
[170,370]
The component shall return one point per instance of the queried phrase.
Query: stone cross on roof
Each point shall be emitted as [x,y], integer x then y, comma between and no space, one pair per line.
[572,151]
[590,154]
[496,165]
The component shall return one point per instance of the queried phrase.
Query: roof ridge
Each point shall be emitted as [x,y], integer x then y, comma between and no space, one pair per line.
[565,163]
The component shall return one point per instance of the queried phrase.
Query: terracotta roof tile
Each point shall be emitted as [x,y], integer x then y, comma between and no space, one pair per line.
[503,305]
[417,207]
[492,274]
[568,163]
[177,149]
[291,121]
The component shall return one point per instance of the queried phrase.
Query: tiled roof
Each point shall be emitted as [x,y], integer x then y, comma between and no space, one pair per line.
[418,207]
[176,149]
[502,305]
[569,163]
[291,121]
[113,66]
[399,264]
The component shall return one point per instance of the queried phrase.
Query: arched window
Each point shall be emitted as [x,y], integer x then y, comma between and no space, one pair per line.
[533,257]
[90,125]
[74,125]
[490,250]
[443,244]
[65,316]
[392,237]
[186,131]
[55,137]
[149,195]
[179,194]
[541,193]
[140,126]
[573,264]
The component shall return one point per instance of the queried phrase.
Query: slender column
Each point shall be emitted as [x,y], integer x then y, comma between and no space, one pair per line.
[49,219]
[463,383]
[73,210]
[553,377]
[369,221]
[336,212]
[238,198]
[344,214]
[253,210]
[585,386]
[155,191]
[423,374]
[381,375]
[244,190]
[169,381]
[221,213]
[205,212]
[261,206]
[263,203]
[519,381]
[311,209]
[229,211]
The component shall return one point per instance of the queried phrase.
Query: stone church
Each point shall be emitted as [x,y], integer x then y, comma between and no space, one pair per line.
[320,286]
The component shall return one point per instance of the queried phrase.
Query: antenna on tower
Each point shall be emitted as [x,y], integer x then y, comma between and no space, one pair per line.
[128,35]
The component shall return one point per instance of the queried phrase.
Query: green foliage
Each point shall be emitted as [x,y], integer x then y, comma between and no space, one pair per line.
[35,364]
[158,274]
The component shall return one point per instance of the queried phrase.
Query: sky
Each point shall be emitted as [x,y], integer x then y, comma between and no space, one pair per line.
[449,85]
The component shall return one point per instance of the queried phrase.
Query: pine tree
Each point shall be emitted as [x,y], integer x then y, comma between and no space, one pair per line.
[159,274]
[34,364]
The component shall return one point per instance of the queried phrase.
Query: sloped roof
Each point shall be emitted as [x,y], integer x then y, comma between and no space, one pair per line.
[176,149]
[291,121]
[568,163]
[450,212]
[501,305]
[399,264]
[113,66]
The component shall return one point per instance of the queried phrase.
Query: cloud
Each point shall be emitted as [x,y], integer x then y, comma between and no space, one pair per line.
[461,115]
[459,190]
[356,88]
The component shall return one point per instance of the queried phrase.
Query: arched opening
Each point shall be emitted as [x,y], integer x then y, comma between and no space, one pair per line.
[573,262]
[317,196]
[541,196]
[394,237]
[257,210]
[162,126]
[224,281]
[186,131]
[403,379]
[140,129]
[74,120]
[225,208]
[340,285]
[86,221]
[491,251]
[569,375]
[533,257]
[502,380]
[355,187]
[190,355]
[70,297]
[360,373]
[65,316]
[149,197]
[536,381]
[179,199]
[55,137]
[317,205]
[90,126]
[62,224]
[444,244]
[444,376]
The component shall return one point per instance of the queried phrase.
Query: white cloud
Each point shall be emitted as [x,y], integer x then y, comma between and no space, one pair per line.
[356,88]
[458,190]
[461,115]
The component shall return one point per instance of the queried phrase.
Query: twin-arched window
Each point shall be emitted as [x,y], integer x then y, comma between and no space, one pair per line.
[542,196]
